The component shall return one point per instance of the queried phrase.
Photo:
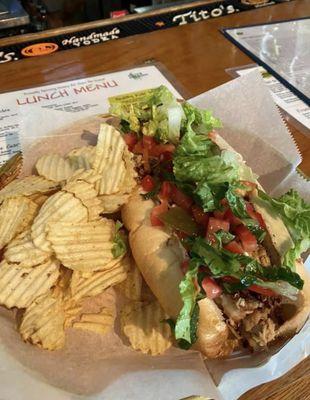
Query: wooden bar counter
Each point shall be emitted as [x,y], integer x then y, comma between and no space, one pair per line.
[196,55]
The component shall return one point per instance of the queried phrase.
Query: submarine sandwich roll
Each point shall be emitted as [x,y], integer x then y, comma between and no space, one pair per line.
[222,257]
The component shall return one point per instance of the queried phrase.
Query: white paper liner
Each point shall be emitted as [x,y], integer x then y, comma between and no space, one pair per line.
[253,126]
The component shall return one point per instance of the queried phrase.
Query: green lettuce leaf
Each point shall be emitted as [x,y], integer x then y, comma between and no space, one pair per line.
[223,237]
[186,324]
[238,207]
[152,112]
[295,213]
[246,269]
[201,121]
[119,244]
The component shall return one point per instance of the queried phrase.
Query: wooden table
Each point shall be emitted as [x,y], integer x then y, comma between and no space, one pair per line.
[197,55]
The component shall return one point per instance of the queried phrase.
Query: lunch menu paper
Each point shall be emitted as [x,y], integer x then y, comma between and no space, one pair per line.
[253,126]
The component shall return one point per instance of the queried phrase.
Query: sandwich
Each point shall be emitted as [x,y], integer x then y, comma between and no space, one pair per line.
[222,257]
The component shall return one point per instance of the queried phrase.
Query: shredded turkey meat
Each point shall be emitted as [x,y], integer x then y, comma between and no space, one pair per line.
[261,255]
[251,317]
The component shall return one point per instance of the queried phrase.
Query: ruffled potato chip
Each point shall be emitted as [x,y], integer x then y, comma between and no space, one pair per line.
[23,252]
[85,246]
[86,192]
[145,328]
[19,287]
[38,198]
[11,169]
[43,322]
[132,285]
[27,186]
[100,323]
[112,202]
[54,167]
[82,157]
[109,160]
[92,284]
[62,206]
[72,311]
[89,176]
[16,214]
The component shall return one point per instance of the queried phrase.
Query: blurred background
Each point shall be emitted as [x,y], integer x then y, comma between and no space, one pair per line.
[24,16]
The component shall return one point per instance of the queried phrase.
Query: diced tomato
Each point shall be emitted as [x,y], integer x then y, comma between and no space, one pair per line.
[147,183]
[234,247]
[212,136]
[200,216]
[181,199]
[224,202]
[158,210]
[211,288]
[130,139]
[215,225]
[165,156]
[248,240]
[165,190]
[159,149]
[219,214]
[262,290]
[255,215]
[184,266]
[138,148]
[145,156]
[148,141]
[231,218]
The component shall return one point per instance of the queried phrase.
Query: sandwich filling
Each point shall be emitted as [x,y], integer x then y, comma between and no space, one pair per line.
[205,196]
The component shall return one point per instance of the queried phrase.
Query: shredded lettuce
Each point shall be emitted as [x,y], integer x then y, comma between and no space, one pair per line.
[295,213]
[238,207]
[119,244]
[246,269]
[186,324]
[223,237]
[200,121]
[152,112]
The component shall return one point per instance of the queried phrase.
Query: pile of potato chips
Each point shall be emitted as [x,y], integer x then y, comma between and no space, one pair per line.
[58,248]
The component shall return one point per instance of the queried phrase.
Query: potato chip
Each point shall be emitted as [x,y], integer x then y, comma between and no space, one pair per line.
[129,182]
[54,167]
[112,202]
[38,198]
[87,194]
[85,246]
[82,157]
[15,215]
[11,169]
[64,279]
[43,322]
[20,286]
[109,160]
[100,323]
[72,311]
[145,329]
[27,186]
[89,176]
[62,206]
[97,282]
[131,286]
[23,252]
